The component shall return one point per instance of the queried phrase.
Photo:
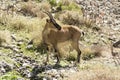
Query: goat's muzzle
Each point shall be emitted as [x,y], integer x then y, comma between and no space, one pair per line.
[59,28]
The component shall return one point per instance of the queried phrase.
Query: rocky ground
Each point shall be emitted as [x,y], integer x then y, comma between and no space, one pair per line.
[13,59]
[106,13]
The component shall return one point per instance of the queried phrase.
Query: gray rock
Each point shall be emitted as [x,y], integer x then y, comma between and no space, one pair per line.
[5,67]
[14,37]
[16,50]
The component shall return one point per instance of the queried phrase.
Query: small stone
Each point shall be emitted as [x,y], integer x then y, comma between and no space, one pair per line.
[29,46]
[19,43]
[54,79]
[14,37]
[2,70]
[26,65]
[16,49]
[72,70]
[44,79]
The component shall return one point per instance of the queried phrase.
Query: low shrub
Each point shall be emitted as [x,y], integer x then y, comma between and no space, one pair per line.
[70,17]
[89,53]
[75,18]
[35,9]
[4,18]
[72,56]
[18,23]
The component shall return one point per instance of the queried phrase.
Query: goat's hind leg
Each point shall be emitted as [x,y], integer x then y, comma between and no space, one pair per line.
[75,45]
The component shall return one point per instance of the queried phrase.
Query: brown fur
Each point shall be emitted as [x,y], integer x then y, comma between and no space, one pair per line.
[52,37]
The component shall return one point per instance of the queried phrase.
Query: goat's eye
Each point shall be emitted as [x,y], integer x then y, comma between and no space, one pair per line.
[47,20]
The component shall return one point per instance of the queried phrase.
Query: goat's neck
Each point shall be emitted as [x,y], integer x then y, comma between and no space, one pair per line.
[46,31]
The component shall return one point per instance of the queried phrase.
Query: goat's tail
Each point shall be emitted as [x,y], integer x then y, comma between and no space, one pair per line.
[30,42]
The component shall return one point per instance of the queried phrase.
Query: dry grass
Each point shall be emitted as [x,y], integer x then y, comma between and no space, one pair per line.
[70,17]
[75,18]
[5,37]
[72,56]
[26,9]
[88,53]
[100,74]
[89,23]
[3,18]
[18,23]
[67,52]
[91,52]
[35,9]
[36,30]
[33,26]
[95,70]
[66,2]
[21,23]
[45,6]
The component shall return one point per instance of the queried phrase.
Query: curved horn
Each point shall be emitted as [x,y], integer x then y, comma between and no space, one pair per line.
[53,21]
[49,14]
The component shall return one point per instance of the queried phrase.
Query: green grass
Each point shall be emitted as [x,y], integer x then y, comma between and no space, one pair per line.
[26,52]
[13,75]
[9,60]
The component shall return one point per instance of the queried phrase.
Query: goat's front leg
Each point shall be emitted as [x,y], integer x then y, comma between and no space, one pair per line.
[48,53]
[58,58]
[47,59]
[57,54]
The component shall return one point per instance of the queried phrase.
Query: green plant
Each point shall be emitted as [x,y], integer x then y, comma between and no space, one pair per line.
[11,76]
[52,2]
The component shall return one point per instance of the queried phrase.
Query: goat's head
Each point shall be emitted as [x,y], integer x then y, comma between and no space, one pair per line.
[51,22]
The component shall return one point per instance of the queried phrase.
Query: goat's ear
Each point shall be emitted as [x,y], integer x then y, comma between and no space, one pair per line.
[47,20]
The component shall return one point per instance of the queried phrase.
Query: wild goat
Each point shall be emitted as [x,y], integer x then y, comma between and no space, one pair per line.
[53,34]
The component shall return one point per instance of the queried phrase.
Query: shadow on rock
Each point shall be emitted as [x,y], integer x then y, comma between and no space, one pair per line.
[42,68]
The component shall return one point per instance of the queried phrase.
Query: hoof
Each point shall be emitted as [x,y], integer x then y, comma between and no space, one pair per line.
[57,65]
